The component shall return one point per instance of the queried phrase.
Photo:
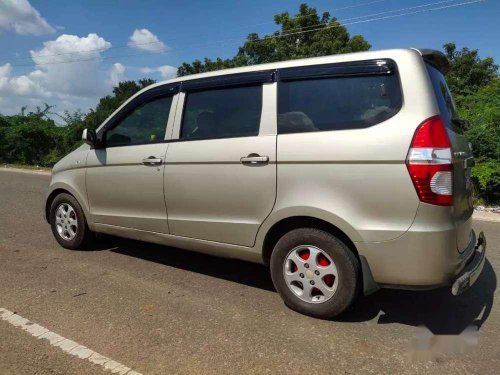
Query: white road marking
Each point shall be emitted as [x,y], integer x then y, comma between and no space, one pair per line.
[66,345]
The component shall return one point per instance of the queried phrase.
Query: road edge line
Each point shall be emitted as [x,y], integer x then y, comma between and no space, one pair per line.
[66,345]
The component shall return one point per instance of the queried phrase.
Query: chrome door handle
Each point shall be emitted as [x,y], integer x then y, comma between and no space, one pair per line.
[152,161]
[254,159]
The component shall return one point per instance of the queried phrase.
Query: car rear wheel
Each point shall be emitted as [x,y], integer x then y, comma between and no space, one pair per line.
[68,223]
[315,273]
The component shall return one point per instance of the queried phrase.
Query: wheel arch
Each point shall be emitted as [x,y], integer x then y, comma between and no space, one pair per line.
[60,188]
[285,225]
[50,198]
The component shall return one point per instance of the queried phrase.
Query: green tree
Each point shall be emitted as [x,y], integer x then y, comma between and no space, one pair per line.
[307,34]
[482,110]
[475,85]
[468,72]
[207,65]
[29,139]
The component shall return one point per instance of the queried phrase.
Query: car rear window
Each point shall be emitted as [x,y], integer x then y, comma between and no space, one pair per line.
[443,96]
[337,103]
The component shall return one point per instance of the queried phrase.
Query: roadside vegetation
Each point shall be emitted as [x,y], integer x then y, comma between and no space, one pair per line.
[33,137]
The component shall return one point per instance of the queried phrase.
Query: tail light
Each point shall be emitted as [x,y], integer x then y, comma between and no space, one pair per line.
[429,162]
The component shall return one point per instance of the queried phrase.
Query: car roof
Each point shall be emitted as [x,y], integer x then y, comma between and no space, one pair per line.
[330,59]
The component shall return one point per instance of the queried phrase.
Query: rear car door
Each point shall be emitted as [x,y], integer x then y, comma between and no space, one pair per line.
[462,158]
[125,175]
[220,174]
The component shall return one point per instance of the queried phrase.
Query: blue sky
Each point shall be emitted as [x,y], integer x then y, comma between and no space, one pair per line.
[36,35]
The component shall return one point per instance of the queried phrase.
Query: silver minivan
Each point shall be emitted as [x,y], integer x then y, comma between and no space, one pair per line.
[343,174]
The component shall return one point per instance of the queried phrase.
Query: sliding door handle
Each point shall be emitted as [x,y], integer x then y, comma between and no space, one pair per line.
[152,161]
[254,159]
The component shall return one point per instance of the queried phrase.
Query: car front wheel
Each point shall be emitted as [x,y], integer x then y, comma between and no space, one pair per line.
[68,223]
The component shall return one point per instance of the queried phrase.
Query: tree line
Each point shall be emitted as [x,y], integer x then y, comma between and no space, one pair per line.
[34,138]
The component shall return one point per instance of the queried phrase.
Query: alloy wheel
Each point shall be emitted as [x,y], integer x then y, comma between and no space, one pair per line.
[66,221]
[311,274]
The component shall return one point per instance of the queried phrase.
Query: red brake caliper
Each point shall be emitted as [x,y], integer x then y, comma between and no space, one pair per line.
[323,262]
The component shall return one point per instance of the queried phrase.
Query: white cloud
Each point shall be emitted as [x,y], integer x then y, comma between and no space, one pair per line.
[68,70]
[146,40]
[117,74]
[70,64]
[166,71]
[20,16]
[147,70]
[69,48]
[21,85]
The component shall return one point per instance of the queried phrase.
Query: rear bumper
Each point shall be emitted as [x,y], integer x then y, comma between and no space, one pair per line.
[429,263]
[473,268]
[427,256]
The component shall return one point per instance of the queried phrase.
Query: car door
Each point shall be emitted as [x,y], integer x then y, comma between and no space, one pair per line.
[220,173]
[125,174]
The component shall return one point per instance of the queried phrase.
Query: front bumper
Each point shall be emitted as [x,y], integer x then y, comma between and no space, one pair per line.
[468,276]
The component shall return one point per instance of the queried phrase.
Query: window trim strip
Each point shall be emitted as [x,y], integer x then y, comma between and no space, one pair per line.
[347,69]
[240,79]
[154,93]
[149,95]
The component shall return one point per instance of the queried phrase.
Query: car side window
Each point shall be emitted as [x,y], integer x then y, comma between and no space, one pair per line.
[144,125]
[222,113]
[443,96]
[338,103]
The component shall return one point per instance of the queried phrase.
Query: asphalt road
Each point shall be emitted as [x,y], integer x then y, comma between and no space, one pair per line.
[161,310]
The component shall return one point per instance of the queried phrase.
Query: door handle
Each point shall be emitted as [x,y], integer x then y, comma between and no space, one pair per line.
[254,159]
[152,161]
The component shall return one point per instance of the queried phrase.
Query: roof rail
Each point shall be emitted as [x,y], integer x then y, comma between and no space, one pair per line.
[436,58]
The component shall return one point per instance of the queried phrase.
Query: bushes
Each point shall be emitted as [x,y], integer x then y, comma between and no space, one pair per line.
[486,179]
[30,140]
[35,139]
[475,85]
[482,110]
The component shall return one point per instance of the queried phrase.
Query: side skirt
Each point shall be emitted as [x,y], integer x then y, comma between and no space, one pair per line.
[223,250]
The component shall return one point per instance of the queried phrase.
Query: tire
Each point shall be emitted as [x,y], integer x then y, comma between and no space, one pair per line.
[342,280]
[73,237]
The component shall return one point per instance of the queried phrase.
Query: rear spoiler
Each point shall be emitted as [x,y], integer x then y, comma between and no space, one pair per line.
[436,58]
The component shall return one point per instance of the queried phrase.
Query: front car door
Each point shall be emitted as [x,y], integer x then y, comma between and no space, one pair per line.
[125,174]
[220,173]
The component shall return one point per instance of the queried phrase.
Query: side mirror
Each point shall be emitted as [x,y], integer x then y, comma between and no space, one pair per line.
[89,136]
